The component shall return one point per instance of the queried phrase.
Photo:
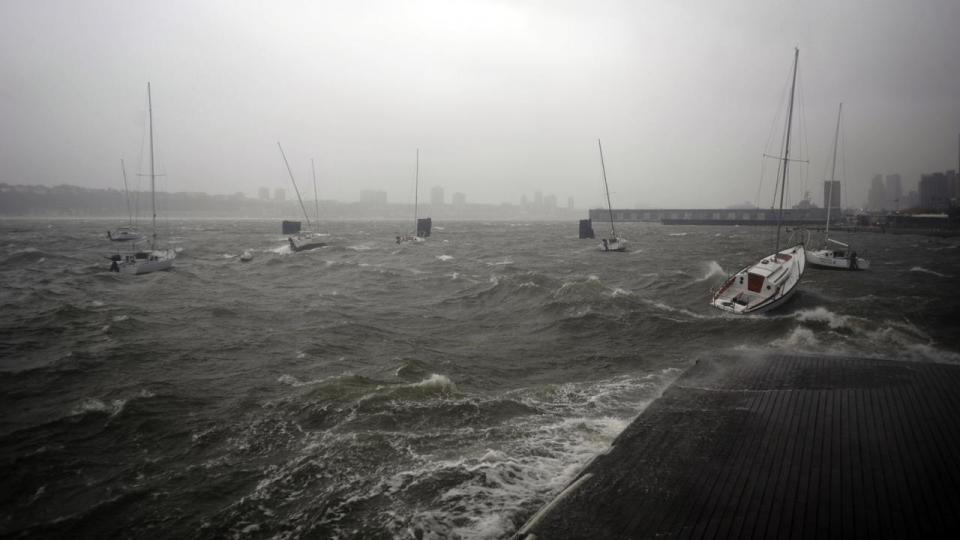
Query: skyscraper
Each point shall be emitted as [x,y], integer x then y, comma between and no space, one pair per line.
[831,200]
[934,191]
[877,195]
[893,192]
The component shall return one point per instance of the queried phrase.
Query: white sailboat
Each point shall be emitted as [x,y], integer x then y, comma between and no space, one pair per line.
[129,232]
[312,239]
[835,254]
[153,259]
[417,235]
[767,284]
[614,242]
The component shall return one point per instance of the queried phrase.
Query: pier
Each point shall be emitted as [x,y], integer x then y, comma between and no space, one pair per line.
[777,446]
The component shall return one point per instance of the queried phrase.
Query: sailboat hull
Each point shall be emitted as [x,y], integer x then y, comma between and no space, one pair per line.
[830,260]
[147,262]
[124,235]
[613,244]
[305,243]
[763,286]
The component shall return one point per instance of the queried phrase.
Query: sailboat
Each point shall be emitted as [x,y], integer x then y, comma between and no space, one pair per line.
[153,259]
[767,284]
[128,232]
[421,227]
[309,240]
[614,242]
[835,254]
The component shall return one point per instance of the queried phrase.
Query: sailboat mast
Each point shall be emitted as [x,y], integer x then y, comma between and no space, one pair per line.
[294,182]
[153,174]
[833,170]
[416,194]
[786,145]
[126,191]
[316,199]
[606,188]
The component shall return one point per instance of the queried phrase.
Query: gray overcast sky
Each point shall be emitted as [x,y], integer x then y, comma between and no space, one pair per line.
[503,98]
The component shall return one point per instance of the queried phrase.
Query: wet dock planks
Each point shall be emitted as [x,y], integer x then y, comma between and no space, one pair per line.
[778,446]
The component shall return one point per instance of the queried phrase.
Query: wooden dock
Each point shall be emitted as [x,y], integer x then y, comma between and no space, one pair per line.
[777,446]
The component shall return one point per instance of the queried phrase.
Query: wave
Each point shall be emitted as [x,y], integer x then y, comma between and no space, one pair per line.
[931,272]
[712,270]
[24,257]
[112,408]
[445,257]
[800,338]
[822,314]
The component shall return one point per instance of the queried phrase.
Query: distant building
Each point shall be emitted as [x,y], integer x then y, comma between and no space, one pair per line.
[538,200]
[263,193]
[913,199]
[569,203]
[934,193]
[550,202]
[373,197]
[894,191]
[524,202]
[877,196]
[459,199]
[436,196]
[953,186]
[279,194]
[831,194]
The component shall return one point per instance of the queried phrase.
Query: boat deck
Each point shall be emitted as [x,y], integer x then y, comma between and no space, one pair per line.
[778,446]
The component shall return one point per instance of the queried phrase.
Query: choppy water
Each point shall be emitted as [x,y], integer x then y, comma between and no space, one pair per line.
[436,390]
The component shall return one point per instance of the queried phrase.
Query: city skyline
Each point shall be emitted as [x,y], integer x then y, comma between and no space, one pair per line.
[499,98]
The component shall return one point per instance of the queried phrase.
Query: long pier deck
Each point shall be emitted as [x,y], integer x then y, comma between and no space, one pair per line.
[777,446]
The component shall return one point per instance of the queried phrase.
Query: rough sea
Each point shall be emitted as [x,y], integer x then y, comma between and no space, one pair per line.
[444,389]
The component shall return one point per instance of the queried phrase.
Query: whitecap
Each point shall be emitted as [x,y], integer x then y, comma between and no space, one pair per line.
[445,257]
[93,405]
[931,272]
[822,314]
[712,269]
[436,380]
[799,338]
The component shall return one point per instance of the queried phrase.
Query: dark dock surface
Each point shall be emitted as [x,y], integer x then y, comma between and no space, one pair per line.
[778,446]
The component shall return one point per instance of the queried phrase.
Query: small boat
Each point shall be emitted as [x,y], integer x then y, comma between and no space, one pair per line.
[145,261]
[304,241]
[835,255]
[614,242]
[421,227]
[839,258]
[763,286]
[767,284]
[246,256]
[126,233]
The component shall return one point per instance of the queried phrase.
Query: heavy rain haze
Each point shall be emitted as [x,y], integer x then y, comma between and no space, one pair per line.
[502,98]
